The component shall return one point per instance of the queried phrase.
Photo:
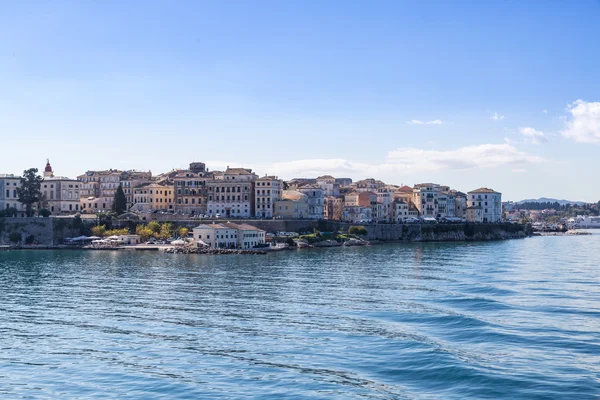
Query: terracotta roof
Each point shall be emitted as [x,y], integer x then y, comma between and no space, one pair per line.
[405,189]
[242,226]
[483,190]
[240,171]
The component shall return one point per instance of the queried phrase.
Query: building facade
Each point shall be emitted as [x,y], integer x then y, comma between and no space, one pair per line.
[231,193]
[8,193]
[316,200]
[228,235]
[490,203]
[293,205]
[267,191]
[153,196]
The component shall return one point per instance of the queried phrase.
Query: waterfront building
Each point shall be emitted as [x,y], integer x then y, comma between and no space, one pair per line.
[333,208]
[484,205]
[98,188]
[351,199]
[356,214]
[296,182]
[153,196]
[343,181]
[329,185]
[425,198]
[228,235]
[369,199]
[216,236]
[460,205]
[8,193]
[191,190]
[267,190]
[231,193]
[368,185]
[475,214]
[385,198]
[400,211]
[293,205]
[59,194]
[316,200]
[129,180]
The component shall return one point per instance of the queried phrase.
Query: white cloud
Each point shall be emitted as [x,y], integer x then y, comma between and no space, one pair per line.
[583,126]
[497,117]
[508,140]
[419,122]
[545,111]
[402,161]
[533,135]
[519,170]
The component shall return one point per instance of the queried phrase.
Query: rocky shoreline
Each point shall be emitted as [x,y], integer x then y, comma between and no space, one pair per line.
[194,250]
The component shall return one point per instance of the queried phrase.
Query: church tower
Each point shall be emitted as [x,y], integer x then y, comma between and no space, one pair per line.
[48,171]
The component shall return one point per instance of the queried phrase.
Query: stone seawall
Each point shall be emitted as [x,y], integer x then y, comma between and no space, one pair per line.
[51,231]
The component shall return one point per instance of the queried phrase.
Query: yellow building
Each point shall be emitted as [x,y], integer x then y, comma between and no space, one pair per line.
[153,196]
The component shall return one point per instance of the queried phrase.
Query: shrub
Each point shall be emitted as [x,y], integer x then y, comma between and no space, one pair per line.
[14,237]
[357,230]
[44,212]
[99,230]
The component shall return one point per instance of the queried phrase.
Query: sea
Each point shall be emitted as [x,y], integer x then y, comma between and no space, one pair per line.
[515,319]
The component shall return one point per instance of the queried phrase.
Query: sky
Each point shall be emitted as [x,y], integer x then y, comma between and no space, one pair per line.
[502,93]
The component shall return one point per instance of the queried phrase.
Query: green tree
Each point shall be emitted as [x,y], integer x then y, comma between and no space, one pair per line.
[154,226]
[29,192]
[44,212]
[99,230]
[166,230]
[120,202]
[183,232]
[144,232]
[9,212]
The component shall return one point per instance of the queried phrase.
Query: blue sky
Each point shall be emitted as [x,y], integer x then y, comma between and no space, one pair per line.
[465,93]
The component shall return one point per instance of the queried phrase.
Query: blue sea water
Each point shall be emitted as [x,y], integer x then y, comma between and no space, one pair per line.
[513,319]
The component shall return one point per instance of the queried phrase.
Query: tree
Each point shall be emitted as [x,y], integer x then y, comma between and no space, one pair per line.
[44,212]
[183,232]
[9,212]
[144,232]
[166,230]
[120,202]
[99,230]
[154,226]
[29,192]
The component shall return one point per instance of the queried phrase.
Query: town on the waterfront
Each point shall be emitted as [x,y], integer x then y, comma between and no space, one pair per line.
[229,208]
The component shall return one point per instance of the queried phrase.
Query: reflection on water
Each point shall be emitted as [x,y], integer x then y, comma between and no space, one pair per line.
[513,319]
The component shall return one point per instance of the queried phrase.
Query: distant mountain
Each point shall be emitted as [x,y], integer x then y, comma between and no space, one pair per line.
[549,200]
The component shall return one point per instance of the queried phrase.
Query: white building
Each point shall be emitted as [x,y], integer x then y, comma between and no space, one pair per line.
[490,203]
[231,193]
[228,235]
[400,209]
[8,193]
[267,190]
[329,185]
[216,236]
[60,195]
[385,197]
[316,200]
[425,198]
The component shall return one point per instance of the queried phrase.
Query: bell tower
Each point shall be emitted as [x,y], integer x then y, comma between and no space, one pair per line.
[48,173]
